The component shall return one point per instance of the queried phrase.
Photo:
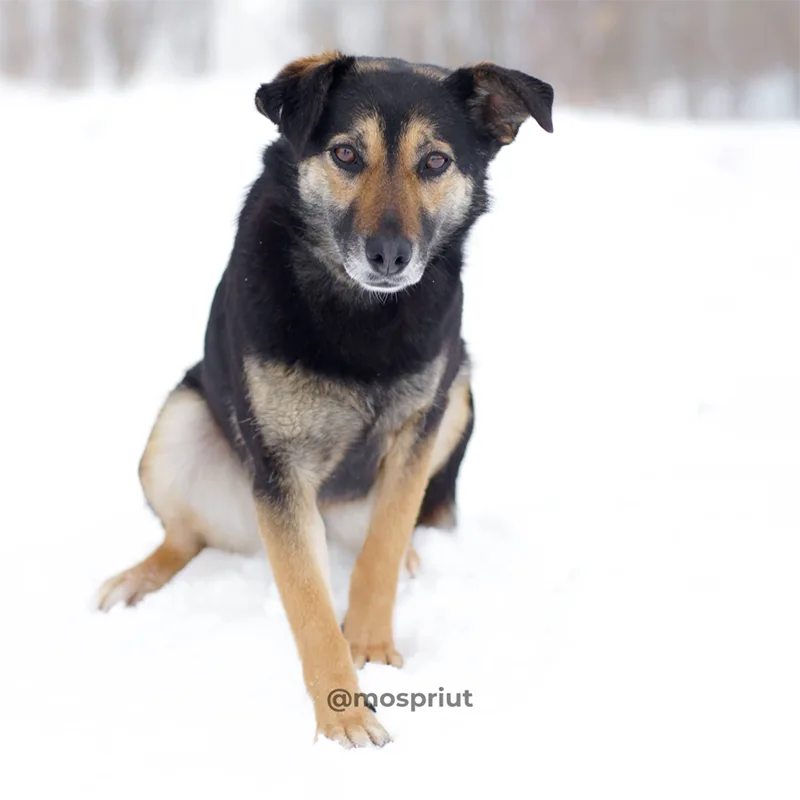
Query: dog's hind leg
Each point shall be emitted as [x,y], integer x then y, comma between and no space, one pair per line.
[439,504]
[169,558]
[196,486]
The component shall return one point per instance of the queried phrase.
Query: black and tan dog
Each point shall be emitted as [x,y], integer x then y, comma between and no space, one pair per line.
[334,391]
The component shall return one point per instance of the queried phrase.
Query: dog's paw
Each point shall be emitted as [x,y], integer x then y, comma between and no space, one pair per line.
[375,654]
[412,562]
[128,588]
[370,640]
[355,727]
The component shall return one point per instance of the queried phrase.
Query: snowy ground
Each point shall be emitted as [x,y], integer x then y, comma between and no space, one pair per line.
[622,596]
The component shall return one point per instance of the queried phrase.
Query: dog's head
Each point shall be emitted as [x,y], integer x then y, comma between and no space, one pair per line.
[392,156]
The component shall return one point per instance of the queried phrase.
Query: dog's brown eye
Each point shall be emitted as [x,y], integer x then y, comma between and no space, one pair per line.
[435,164]
[345,154]
[436,161]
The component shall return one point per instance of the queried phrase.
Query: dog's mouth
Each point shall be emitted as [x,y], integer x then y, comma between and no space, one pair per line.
[373,281]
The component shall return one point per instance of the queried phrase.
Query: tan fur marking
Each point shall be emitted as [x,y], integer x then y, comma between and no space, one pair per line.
[430,71]
[303,66]
[374,183]
[454,423]
[401,194]
[341,186]
[400,488]
[384,65]
[417,133]
[324,186]
[372,65]
[317,417]
[322,180]
[326,660]
[410,190]
[450,191]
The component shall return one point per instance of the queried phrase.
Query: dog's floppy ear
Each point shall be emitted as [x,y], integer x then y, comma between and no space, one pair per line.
[500,100]
[295,99]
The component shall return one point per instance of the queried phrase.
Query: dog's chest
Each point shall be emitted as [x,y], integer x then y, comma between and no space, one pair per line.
[335,430]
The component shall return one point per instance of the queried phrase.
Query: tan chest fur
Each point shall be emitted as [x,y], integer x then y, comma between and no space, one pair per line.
[313,421]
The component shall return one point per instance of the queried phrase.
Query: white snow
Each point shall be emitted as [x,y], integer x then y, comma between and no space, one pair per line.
[622,596]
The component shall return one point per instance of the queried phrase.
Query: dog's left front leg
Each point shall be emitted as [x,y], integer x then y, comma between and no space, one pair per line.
[402,480]
[287,524]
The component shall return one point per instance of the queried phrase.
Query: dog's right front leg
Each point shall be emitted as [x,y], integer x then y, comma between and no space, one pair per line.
[290,529]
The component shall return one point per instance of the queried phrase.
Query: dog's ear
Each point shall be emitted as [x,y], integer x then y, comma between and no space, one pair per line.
[295,99]
[500,100]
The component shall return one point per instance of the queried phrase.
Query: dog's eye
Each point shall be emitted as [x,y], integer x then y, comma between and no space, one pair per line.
[435,164]
[345,156]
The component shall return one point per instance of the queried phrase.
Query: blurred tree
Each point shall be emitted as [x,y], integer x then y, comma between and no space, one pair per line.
[127,26]
[17,50]
[787,46]
[71,62]
[397,30]
[188,27]
[735,69]
[493,28]
[686,32]
[322,22]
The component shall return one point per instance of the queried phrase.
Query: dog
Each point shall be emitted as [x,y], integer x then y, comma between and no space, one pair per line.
[334,390]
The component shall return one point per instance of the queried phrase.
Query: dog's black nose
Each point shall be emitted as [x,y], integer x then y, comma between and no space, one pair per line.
[388,254]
